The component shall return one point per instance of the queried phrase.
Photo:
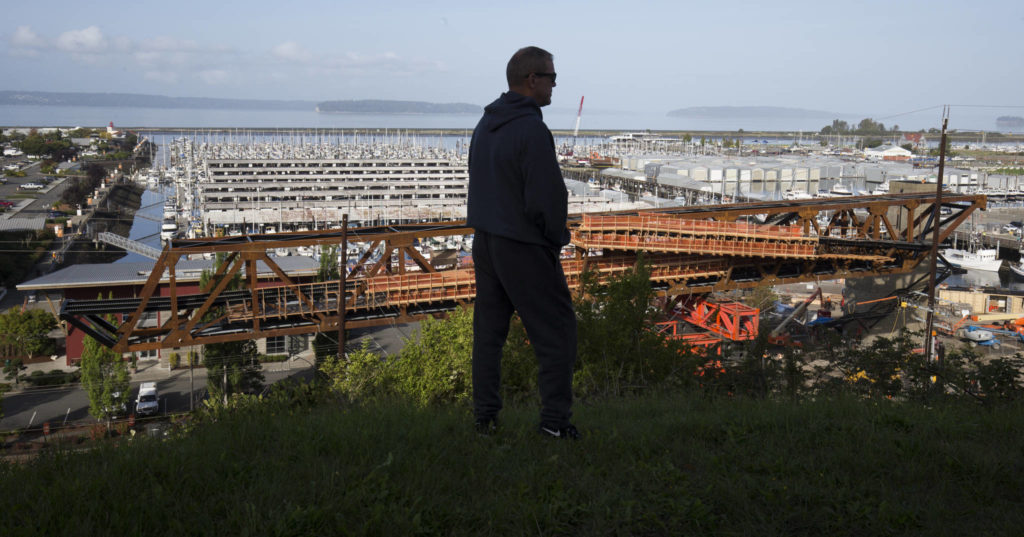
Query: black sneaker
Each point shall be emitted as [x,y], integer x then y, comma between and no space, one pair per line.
[486,426]
[569,432]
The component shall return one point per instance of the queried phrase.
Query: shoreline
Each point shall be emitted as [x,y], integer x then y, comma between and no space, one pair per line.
[992,137]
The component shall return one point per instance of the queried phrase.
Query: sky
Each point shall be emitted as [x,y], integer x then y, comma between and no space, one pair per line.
[871,58]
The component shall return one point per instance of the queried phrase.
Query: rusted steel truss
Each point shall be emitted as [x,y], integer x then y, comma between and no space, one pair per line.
[691,251]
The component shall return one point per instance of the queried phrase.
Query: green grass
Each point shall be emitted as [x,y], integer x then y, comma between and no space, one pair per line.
[658,465]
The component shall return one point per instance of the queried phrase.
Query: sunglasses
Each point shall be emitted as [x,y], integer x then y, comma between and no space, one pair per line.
[552,76]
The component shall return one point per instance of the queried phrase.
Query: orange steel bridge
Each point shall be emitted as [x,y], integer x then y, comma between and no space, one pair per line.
[691,251]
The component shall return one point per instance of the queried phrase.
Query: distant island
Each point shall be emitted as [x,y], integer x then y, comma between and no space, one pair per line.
[137,100]
[741,112]
[395,107]
[1010,122]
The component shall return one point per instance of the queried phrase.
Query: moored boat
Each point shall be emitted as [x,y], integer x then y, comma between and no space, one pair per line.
[1017,269]
[169,228]
[982,259]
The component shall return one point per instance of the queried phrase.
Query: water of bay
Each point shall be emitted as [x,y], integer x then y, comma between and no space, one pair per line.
[555,117]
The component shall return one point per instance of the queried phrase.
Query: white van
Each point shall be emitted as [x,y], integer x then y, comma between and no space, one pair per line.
[148,402]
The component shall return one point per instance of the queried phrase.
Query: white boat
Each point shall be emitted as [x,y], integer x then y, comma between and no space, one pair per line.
[169,228]
[1018,269]
[840,190]
[982,259]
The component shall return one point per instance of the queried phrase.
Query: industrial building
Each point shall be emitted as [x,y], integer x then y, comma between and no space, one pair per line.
[772,177]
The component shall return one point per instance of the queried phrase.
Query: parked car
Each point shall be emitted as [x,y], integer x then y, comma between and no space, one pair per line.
[148,402]
[31,186]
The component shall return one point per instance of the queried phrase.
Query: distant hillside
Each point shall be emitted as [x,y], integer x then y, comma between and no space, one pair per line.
[395,107]
[742,112]
[136,100]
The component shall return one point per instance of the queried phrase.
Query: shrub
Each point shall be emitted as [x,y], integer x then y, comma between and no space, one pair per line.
[273,357]
[619,352]
[1000,379]
[174,360]
[435,367]
[360,375]
[55,377]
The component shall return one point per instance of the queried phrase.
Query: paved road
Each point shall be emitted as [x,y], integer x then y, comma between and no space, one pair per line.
[43,201]
[70,403]
[54,405]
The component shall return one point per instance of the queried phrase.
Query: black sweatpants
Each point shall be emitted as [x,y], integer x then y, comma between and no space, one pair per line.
[527,278]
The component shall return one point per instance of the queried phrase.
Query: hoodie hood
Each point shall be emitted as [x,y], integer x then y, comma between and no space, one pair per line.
[508,107]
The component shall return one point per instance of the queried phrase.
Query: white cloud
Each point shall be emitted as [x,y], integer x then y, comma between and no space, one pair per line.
[214,77]
[86,41]
[24,37]
[292,51]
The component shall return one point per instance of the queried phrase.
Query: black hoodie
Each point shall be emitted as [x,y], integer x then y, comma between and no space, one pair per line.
[515,185]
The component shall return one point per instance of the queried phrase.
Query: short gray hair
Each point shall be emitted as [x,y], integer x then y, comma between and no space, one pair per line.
[525,61]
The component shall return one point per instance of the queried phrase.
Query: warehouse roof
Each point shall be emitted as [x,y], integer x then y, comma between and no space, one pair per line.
[108,274]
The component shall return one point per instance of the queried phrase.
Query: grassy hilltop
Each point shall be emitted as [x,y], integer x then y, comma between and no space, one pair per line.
[652,465]
[843,439]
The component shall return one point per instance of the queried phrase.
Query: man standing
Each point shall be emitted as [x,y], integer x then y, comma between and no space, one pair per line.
[517,206]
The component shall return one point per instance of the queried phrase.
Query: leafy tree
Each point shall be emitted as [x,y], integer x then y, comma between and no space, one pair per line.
[1002,379]
[24,332]
[105,379]
[233,366]
[358,376]
[837,127]
[435,365]
[12,368]
[869,126]
[619,352]
[4,388]
[237,364]
[324,344]
[80,133]
[49,144]
[761,297]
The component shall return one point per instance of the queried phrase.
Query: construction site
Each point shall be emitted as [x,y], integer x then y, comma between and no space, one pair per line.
[701,259]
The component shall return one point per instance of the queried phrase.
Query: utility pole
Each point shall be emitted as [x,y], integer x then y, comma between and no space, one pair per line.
[342,269]
[937,219]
